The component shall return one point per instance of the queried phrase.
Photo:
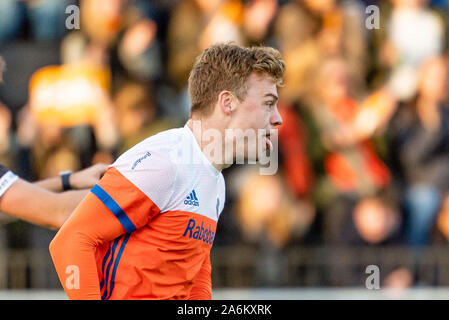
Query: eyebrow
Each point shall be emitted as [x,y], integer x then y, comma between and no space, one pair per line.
[275,97]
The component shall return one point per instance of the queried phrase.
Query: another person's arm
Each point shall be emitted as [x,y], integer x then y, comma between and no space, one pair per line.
[33,204]
[84,179]
[37,205]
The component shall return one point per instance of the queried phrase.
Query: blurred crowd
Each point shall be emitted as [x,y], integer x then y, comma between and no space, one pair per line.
[364,146]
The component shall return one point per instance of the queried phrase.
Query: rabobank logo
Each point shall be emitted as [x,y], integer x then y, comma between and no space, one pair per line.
[192,200]
[198,232]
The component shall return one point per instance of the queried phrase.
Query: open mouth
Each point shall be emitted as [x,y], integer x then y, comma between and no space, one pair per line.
[268,142]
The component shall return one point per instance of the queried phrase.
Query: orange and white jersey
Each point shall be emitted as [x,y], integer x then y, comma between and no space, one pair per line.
[173,173]
[167,198]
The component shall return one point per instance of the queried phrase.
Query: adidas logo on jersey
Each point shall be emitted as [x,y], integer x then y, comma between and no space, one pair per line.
[192,200]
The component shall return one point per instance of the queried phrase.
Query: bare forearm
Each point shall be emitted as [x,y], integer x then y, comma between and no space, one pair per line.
[51,184]
[84,179]
[31,203]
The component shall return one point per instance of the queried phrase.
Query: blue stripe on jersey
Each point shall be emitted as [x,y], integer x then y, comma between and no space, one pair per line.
[114,208]
[117,260]
[103,265]
[105,277]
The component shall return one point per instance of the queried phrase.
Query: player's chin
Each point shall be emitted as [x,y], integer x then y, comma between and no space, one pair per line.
[246,158]
[253,153]
[260,154]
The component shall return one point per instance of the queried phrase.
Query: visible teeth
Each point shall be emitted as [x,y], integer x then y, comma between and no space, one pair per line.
[270,145]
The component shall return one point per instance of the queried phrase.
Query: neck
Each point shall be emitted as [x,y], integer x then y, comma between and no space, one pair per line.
[210,136]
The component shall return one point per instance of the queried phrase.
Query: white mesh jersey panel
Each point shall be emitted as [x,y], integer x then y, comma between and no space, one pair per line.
[147,165]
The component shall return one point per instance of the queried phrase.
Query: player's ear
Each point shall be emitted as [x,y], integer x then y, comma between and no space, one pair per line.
[226,102]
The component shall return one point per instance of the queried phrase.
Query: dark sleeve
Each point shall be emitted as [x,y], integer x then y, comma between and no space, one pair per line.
[3,171]
[7,178]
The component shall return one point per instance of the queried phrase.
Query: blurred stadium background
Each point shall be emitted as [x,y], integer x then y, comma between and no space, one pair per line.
[363,176]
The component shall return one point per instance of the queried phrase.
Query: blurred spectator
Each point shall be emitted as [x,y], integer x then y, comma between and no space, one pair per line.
[352,168]
[46,18]
[420,137]
[375,221]
[279,218]
[400,278]
[270,217]
[73,99]
[309,31]
[442,225]
[102,28]
[137,114]
[53,152]
[292,147]
[195,25]
[5,135]
[415,33]
[5,124]
[257,19]
[139,51]
[373,224]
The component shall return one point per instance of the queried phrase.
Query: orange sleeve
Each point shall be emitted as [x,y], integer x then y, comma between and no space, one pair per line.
[202,285]
[112,208]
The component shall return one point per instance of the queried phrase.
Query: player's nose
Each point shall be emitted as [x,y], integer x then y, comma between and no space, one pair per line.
[276,119]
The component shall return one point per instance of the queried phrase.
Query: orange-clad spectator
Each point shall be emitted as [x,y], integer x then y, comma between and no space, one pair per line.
[348,166]
[292,144]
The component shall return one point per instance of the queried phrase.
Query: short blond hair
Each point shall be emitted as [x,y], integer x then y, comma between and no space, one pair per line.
[227,66]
